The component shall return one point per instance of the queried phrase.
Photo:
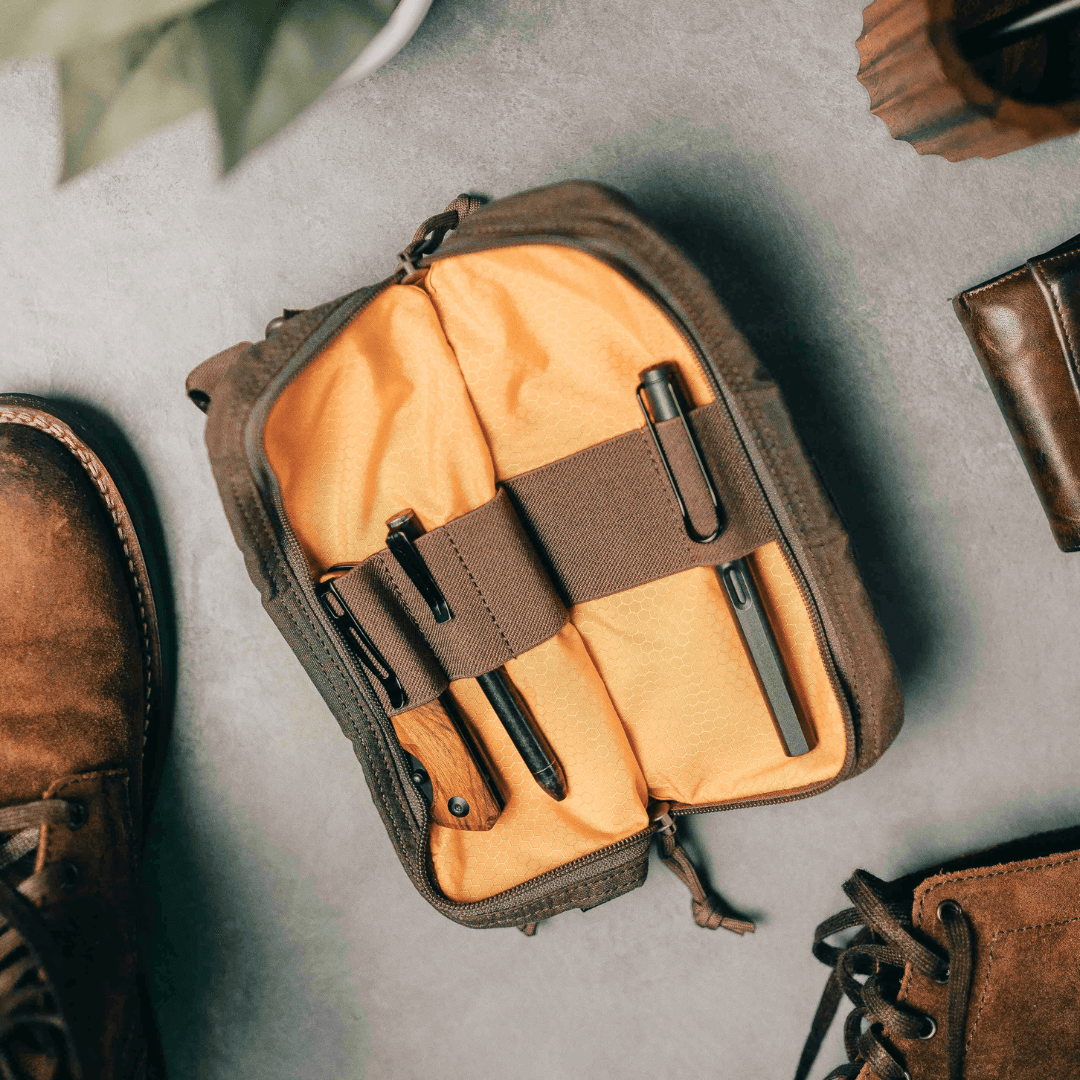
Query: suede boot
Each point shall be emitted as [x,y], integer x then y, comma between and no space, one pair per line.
[971,972]
[80,690]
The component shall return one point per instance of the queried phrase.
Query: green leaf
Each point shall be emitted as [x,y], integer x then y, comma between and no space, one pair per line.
[116,93]
[265,65]
[258,63]
[28,27]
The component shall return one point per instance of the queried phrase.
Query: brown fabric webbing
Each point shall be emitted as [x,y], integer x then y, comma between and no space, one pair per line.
[603,520]
[202,380]
[607,520]
[503,600]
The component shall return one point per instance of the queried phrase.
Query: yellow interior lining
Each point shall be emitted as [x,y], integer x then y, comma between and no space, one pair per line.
[494,364]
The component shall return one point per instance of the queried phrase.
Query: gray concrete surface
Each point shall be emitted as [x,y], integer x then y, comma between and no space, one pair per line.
[288,942]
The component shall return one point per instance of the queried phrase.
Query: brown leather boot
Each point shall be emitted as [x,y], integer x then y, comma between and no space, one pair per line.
[973,971]
[80,689]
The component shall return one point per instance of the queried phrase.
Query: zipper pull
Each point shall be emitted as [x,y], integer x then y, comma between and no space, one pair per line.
[707,908]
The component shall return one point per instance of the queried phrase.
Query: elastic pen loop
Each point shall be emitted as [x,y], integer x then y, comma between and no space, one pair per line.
[714,497]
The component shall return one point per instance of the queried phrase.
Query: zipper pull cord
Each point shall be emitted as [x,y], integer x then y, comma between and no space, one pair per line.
[707,908]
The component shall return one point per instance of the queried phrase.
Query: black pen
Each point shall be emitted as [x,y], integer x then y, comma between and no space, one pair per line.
[660,385]
[506,701]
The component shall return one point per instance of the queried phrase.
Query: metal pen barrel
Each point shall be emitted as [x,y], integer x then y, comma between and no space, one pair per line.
[529,742]
[661,386]
[509,707]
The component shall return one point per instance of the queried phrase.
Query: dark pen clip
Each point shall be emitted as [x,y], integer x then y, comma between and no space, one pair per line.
[412,562]
[360,643]
[688,525]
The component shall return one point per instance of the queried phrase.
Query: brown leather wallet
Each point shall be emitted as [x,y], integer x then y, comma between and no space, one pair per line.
[1025,327]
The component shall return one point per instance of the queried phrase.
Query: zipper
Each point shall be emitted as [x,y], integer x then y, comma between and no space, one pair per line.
[581,869]
[585,867]
[295,554]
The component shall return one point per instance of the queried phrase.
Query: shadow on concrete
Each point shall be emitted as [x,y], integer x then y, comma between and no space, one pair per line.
[783,317]
[237,969]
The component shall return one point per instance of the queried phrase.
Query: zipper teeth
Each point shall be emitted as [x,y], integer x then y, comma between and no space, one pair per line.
[566,874]
[579,869]
[415,803]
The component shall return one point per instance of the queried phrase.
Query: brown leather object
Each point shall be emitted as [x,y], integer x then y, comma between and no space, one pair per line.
[1023,328]
[73,674]
[80,685]
[929,95]
[1022,1011]
[987,966]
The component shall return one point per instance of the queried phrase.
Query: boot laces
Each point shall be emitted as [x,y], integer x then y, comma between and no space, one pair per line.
[881,951]
[36,1038]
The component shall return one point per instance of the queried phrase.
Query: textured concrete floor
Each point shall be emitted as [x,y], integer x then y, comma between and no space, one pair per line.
[288,942]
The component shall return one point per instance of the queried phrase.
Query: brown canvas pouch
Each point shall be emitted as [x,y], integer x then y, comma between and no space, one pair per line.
[490,383]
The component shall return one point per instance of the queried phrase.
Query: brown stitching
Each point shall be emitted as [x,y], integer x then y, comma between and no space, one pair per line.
[992,874]
[997,281]
[91,465]
[483,599]
[384,566]
[1061,319]
[665,484]
[1054,258]
[990,964]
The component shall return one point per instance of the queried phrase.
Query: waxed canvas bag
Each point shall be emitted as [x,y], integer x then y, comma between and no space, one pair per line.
[605,492]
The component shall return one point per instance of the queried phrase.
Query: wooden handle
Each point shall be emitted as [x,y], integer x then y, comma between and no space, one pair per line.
[933,97]
[439,740]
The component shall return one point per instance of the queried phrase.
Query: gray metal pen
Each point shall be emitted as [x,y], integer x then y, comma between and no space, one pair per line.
[660,386]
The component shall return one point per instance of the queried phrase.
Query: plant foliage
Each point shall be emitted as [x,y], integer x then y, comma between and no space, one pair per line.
[129,66]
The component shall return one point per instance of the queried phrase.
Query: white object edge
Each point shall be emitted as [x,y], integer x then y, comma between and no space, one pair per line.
[388,42]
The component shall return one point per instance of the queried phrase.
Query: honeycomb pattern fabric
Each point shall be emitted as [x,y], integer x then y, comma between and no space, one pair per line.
[606,791]
[380,422]
[672,657]
[499,362]
[551,342]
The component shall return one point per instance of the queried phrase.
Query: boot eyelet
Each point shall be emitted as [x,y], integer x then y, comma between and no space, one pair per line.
[69,876]
[943,978]
[77,814]
[927,1029]
[950,906]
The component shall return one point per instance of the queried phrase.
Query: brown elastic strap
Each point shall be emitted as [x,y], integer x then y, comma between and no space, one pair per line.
[607,520]
[707,908]
[202,380]
[501,596]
